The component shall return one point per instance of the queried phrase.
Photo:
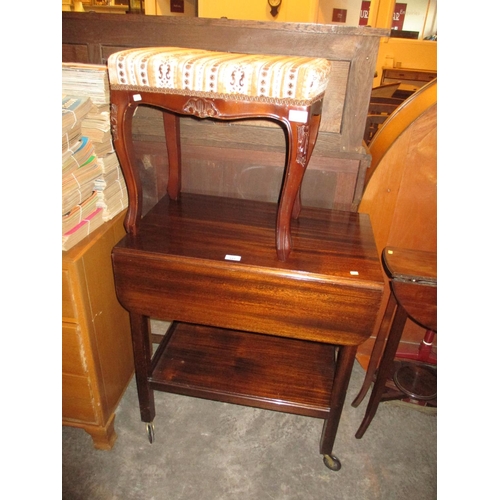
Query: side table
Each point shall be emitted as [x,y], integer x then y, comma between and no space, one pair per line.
[413,281]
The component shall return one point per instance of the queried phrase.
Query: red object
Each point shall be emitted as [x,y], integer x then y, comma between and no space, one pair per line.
[364,13]
[339,15]
[177,6]
[424,353]
[398,18]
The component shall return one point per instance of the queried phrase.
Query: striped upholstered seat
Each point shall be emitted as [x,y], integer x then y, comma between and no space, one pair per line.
[225,86]
[301,80]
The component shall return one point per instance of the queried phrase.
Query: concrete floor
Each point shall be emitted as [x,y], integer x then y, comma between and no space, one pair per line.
[217,451]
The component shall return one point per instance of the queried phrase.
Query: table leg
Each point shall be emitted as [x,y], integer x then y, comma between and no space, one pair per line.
[142,358]
[384,370]
[377,350]
[345,362]
[424,354]
[171,125]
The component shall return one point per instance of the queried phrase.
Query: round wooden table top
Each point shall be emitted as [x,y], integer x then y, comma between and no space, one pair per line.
[413,275]
[419,302]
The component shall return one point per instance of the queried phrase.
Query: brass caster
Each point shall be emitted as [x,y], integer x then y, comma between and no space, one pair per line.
[332,462]
[150,429]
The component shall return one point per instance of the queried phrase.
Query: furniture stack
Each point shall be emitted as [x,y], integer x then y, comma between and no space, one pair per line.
[250,325]
[267,307]
[93,188]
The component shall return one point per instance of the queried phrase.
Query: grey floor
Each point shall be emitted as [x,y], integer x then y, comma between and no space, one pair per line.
[217,451]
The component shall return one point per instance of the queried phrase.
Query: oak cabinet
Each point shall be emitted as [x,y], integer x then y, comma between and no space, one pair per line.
[97,362]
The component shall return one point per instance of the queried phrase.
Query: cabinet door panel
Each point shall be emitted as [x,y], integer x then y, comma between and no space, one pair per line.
[75,52]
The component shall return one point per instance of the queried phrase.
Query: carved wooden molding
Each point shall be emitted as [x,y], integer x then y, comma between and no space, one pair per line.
[303,142]
[113,120]
[203,108]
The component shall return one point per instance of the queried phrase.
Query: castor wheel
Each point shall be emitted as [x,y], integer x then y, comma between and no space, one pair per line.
[150,429]
[332,462]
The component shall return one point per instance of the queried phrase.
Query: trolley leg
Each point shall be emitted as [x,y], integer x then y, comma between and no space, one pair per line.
[142,358]
[345,362]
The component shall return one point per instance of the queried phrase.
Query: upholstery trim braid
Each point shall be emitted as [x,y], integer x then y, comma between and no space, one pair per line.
[223,75]
[213,95]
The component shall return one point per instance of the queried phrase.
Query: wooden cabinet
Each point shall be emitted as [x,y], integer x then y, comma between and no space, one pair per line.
[97,362]
[411,79]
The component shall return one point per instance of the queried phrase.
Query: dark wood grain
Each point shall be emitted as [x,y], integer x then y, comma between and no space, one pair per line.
[235,367]
[262,332]
[419,301]
[175,269]
[407,264]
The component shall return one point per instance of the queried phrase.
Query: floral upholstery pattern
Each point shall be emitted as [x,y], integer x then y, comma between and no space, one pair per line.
[226,75]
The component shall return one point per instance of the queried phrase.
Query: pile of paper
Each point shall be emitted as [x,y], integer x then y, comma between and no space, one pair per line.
[93,187]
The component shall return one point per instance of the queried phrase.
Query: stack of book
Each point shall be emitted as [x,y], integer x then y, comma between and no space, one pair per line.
[94,189]
[73,110]
[87,80]
[80,170]
[110,187]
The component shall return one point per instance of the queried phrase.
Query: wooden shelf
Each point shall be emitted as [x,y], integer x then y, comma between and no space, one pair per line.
[263,371]
[410,79]
[107,9]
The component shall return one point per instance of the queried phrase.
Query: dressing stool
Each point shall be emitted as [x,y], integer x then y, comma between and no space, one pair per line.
[222,86]
[398,374]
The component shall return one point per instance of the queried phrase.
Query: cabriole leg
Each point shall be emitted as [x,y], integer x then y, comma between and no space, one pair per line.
[301,138]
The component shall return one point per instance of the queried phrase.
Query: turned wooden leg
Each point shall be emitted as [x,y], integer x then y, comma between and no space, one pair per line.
[384,370]
[171,125]
[424,353]
[122,112]
[142,358]
[425,348]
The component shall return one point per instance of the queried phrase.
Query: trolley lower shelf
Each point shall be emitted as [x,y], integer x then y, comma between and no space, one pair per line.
[263,371]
